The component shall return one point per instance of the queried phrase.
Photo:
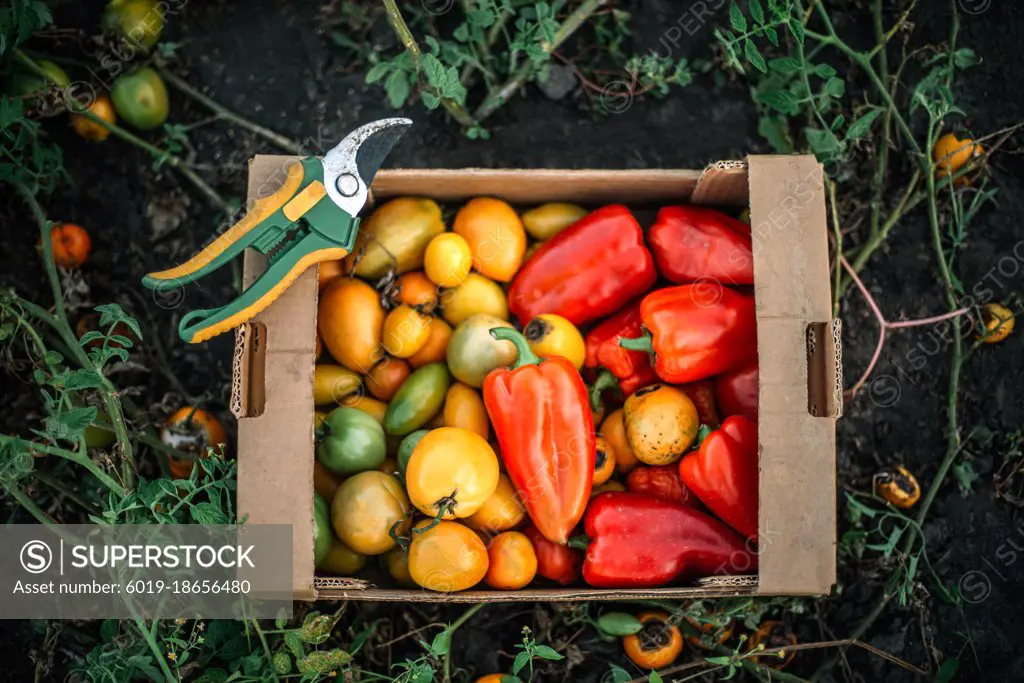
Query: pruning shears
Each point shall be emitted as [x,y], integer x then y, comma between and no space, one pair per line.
[312,218]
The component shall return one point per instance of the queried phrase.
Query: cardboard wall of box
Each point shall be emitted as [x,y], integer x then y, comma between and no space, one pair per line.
[798,346]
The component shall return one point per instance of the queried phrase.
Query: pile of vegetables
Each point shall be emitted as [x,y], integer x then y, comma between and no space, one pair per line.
[554,396]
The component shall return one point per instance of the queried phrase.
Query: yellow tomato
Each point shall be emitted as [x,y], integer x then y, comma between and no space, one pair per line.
[365,508]
[351,320]
[448,461]
[547,220]
[371,406]
[661,424]
[448,260]
[463,407]
[436,346]
[502,511]
[475,295]
[342,560]
[495,236]
[396,234]
[406,330]
[327,273]
[332,383]
[396,561]
[512,561]
[998,320]
[552,335]
[447,557]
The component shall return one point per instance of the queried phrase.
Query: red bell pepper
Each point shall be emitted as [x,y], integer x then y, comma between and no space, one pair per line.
[632,368]
[724,473]
[662,481]
[702,394]
[587,271]
[690,243]
[639,541]
[737,391]
[696,332]
[556,562]
[541,416]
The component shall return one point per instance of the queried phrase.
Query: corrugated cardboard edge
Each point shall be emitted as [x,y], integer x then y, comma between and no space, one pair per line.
[275,467]
[797,512]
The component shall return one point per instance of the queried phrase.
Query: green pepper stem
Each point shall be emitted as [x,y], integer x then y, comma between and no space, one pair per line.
[702,433]
[604,382]
[581,541]
[524,354]
[644,343]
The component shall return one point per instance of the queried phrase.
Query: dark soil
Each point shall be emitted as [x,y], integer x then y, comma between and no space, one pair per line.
[273,62]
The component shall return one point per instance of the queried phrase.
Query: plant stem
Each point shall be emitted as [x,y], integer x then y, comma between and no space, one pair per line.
[151,641]
[107,390]
[451,630]
[882,163]
[500,95]
[120,132]
[63,489]
[222,112]
[29,504]
[266,649]
[72,456]
[401,29]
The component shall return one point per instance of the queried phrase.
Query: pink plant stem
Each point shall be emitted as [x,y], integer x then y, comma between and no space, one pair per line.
[884,325]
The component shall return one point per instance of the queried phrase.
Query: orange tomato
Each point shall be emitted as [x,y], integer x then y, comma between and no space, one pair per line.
[513,562]
[614,432]
[193,431]
[501,512]
[604,463]
[950,153]
[415,289]
[998,320]
[71,244]
[325,482]
[386,376]
[447,557]
[703,641]
[102,108]
[658,643]
[435,349]
[495,234]
[773,634]
[463,407]
[351,321]
[406,330]
[328,272]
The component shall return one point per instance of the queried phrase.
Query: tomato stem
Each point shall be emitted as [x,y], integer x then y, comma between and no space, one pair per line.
[524,354]
[644,343]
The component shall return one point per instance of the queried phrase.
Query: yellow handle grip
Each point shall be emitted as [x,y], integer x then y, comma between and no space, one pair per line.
[261,209]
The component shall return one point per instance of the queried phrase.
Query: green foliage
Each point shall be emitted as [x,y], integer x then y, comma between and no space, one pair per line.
[19,20]
[529,650]
[28,160]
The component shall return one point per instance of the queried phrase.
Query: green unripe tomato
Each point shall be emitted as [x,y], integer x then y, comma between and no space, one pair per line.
[322,536]
[140,22]
[26,83]
[405,448]
[417,400]
[140,99]
[353,441]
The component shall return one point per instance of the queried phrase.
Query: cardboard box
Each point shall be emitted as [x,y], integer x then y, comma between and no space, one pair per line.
[798,345]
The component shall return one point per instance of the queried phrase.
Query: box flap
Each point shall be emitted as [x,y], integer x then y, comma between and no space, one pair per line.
[797,449]
[275,463]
